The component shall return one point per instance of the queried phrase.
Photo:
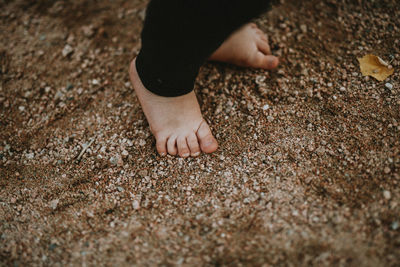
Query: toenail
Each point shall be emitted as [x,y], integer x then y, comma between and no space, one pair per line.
[185,155]
[209,142]
[162,154]
[196,154]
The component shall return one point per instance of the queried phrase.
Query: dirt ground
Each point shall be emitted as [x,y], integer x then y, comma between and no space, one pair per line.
[307,172]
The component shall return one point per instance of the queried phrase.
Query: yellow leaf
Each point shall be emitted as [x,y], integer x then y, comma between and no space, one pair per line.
[374,66]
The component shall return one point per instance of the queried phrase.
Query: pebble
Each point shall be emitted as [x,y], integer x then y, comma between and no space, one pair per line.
[387,170]
[113,160]
[342,89]
[68,50]
[88,31]
[387,194]
[124,153]
[95,82]
[143,173]
[265,107]
[120,162]
[142,142]
[389,86]
[395,225]
[53,204]
[135,205]
[270,118]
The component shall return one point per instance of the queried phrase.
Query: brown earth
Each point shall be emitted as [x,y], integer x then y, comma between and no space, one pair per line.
[307,172]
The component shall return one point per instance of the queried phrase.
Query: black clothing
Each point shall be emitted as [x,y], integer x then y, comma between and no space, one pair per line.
[179,35]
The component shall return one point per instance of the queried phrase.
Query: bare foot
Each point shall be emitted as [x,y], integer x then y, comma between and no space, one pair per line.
[176,122]
[247,47]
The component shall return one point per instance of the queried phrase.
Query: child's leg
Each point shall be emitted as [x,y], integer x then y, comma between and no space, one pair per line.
[177,38]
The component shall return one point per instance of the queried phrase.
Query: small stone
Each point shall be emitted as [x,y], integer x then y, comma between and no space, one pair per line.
[68,50]
[88,31]
[135,205]
[395,225]
[270,118]
[387,194]
[53,204]
[142,14]
[143,173]
[30,155]
[389,86]
[21,108]
[120,162]
[303,28]
[142,142]
[120,189]
[265,107]
[113,160]
[95,82]
[58,95]
[342,89]
[124,153]
[304,72]
[387,170]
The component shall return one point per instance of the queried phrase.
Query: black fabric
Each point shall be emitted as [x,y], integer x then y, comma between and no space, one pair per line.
[179,35]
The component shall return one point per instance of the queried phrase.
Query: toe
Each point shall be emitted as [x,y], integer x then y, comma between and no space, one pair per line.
[266,61]
[261,34]
[263,46]
[171,146]
[208,144]
[161,145]
[193,144]
[183,149]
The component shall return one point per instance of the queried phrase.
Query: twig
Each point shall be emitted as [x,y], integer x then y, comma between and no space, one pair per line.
[84,150]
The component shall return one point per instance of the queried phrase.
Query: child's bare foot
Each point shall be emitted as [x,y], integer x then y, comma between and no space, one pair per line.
[176,122]
[247,47]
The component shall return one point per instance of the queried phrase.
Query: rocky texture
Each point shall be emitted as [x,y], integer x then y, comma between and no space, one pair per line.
[307,172]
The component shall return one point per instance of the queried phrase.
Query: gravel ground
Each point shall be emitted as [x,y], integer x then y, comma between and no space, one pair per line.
[307,172]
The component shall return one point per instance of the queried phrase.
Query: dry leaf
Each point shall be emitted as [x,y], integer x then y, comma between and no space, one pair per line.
[374,66]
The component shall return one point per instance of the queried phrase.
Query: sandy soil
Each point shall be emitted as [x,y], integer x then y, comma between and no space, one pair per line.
[307,172]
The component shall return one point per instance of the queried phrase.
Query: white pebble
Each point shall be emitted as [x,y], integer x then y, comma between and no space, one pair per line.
[389,86]
[265,107]
[135,205]
[387,194]
[142,142]
[387,170]
[67,50]
[124,153]
[53,204]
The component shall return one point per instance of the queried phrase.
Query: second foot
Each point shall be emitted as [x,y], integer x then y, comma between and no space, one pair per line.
[176,122]
[247,47]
